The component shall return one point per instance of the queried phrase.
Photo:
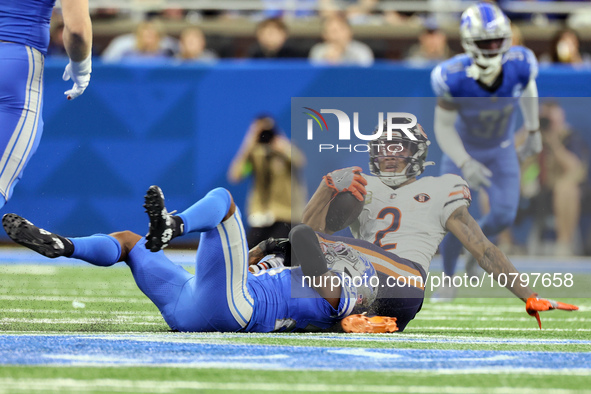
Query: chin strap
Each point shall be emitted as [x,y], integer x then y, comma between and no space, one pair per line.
[485,75]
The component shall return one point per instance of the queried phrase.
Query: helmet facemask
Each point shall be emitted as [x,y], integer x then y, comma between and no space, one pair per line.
[486,37]
[399,159]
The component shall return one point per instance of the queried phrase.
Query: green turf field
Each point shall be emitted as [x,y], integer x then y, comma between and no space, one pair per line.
[64,308]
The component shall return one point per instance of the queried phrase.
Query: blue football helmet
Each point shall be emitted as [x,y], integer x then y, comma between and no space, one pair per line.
[486,35]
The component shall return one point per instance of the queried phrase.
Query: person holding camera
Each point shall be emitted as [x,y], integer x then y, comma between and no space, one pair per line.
[561,181]
[276,197]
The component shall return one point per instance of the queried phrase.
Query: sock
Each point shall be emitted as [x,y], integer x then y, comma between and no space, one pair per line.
[99,249]
[208,212]
[305,247]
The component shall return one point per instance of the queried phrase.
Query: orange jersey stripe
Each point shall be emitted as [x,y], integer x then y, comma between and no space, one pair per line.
[370,252]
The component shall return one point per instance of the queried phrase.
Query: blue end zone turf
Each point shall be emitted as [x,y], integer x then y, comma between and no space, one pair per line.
[176,350]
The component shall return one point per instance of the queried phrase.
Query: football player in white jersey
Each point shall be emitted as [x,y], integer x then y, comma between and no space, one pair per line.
[409,217]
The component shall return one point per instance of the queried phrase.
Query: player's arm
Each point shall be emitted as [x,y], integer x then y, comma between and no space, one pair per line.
[474,172]
[347,179]
[78,45]
[77,29]
[528,103]
[315,211]
[491,259]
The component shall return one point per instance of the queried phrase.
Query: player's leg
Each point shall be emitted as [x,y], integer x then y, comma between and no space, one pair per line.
[204,215]
[161,280]
[218,298]
[503,192]
[21,105]
[307,253]
[99,249]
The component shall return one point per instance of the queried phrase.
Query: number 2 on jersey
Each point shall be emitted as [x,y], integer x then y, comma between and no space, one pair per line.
[394,226]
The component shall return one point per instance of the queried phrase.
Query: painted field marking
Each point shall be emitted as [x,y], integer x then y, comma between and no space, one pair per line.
[85,299]
[138,350]
[112,320]
[215,337]
[170,385]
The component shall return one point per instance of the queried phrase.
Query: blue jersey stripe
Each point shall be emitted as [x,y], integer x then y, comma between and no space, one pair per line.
[487,13]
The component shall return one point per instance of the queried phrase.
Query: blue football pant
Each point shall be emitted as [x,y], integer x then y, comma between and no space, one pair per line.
[21,105]
[216,298]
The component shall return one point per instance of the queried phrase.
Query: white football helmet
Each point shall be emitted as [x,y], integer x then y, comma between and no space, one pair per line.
[346,261]
[486,36]
[413,152]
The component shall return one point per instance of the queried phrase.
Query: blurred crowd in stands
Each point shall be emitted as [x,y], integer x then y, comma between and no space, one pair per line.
[333,40]
[553,184]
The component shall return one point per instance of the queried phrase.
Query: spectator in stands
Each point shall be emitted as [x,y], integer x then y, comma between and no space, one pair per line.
[564,48]
[516,36]
[56,39]
[290,8]
[271,43]
[192,46]
[339,47]
[432,46]
[148,42]
[276,196]
[562,168]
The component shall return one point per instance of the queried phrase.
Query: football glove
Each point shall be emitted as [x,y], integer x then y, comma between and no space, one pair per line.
[280,246]
[347,180]
[476,174]
[531,146]
[534,305]
[79,73]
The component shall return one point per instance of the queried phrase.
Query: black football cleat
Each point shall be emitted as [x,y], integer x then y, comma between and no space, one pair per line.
[25,233]
[163,227]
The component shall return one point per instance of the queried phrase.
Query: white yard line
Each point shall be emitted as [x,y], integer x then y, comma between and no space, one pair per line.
[164,386]
[107,299]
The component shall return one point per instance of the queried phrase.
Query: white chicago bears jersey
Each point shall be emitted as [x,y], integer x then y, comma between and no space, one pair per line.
[409,221]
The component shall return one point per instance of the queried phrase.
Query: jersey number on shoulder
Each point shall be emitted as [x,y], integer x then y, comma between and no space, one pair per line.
[395,215]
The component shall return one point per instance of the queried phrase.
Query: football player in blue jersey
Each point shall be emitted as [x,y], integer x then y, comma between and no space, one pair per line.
[24,37]
[223,295]
[476,113]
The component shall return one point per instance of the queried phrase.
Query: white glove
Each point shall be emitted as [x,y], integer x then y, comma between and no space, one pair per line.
[531,146]
[79,72]
[476,174]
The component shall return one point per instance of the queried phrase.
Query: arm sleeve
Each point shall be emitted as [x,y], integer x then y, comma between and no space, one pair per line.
[529,106]
[448,138]
[458,194]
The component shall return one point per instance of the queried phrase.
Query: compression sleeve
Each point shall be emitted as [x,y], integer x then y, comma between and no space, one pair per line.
[529,106]
[447,136]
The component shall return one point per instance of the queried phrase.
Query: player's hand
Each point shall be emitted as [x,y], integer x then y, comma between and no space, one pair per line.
[534,305]
[79,73]
[531,146]
[275,246]
[476,174]
[347,180]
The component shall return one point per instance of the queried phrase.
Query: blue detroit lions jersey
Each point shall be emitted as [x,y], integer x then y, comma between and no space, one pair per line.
[26,22]
[491,117]
[282,303]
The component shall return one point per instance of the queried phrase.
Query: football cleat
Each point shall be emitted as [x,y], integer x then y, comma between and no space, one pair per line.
[25,233]
[534,305]
[362,324]
[163,227]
